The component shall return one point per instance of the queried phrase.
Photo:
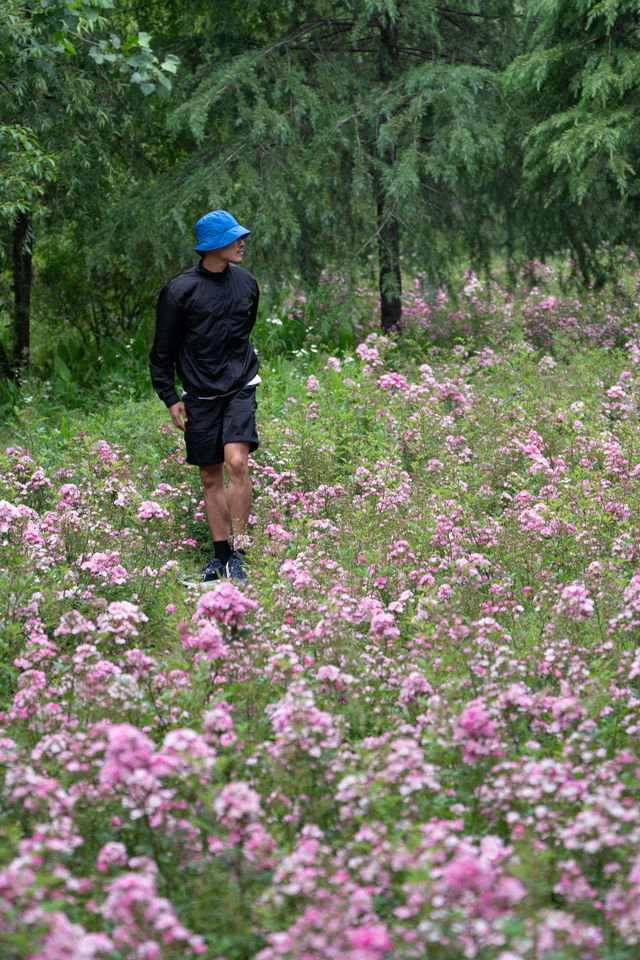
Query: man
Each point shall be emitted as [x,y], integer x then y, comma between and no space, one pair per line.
[204,318]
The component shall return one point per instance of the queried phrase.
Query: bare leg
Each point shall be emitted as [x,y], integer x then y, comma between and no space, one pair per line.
[215,501]
[239,492]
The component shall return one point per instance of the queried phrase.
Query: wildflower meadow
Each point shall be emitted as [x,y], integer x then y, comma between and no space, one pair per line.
[416,733]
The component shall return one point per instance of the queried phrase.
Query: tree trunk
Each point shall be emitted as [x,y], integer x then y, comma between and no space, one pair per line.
[6,367]
[390,280]
[21,291]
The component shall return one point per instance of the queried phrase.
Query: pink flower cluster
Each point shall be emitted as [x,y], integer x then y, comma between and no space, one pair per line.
[414,734]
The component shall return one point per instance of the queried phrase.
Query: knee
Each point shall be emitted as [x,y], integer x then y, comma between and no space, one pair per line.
[237,465]
[212,477]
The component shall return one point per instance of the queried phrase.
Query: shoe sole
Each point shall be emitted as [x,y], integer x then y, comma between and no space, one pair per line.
[201,584]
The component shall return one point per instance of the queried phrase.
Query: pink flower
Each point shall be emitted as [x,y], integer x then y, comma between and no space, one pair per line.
[143,920]
[10,514]
[368,354]
[226,604]
[237,801]
[475,731]
[129,754]
[474,721]
[383,624]
[393,381]
[112,854]
[149,508]
[374,939]
[185,752]
[547,363]
[64,940]
[549,303]
[467,872]
[74,623]
[106,565]
[218,719]
[121,618]
[207,641]
[575,602]
[69,494]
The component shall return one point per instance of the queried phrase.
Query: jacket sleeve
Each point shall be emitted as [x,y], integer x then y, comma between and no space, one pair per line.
[166,343]
[254,308]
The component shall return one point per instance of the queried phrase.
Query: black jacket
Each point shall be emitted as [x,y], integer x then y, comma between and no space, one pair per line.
[203,322]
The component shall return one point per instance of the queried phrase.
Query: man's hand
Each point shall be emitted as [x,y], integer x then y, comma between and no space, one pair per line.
[178,415]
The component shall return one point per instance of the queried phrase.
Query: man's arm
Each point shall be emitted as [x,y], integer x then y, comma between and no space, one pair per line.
[162,359]
[254,308]
[178,415]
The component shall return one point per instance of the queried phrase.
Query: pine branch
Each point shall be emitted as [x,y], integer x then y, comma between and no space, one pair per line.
[481,16]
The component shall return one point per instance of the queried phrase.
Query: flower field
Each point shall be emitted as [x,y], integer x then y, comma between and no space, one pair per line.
[414,735]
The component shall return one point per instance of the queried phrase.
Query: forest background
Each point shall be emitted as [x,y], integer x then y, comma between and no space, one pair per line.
[363,143]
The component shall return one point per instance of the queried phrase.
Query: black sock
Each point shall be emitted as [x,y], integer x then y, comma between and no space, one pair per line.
[222,550]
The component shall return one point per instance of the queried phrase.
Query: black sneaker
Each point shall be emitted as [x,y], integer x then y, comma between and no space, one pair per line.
[212,571]
[236,567]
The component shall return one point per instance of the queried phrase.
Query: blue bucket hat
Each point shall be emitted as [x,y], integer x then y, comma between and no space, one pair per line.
[216,229]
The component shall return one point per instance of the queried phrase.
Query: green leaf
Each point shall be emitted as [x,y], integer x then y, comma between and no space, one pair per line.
[62,370]
[170,64]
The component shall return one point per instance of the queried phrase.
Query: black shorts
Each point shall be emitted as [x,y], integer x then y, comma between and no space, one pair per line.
[213,423]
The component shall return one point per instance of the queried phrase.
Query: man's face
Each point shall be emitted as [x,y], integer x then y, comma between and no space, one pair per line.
[233,252]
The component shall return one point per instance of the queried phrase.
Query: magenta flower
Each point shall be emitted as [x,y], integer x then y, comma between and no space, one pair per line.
[143,921]
[11,514]
[226,604]
[475,731]
[121,618]
[206,641]
[112,854]
[150,509]
[237,802]
[370,942]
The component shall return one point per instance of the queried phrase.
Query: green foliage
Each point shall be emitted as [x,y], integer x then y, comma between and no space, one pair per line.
[66,128]
[577,86]
[317,124]
[350,137]
[25,171]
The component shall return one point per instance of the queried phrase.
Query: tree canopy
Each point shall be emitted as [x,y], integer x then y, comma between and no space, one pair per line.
[350,129]
[577,84]
[355,136]
[70,81]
